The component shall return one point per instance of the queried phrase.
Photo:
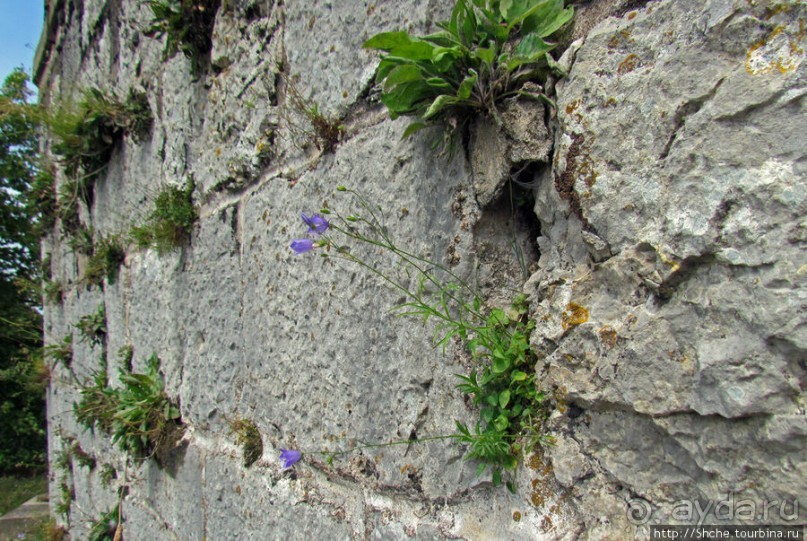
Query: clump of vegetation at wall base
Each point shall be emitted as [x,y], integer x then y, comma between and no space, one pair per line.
[139,415]
[93,327]
[86,133]
[171,222]
[50,531]
[107,256]
[107,526]
[187,25]
[248,436]
[484,54]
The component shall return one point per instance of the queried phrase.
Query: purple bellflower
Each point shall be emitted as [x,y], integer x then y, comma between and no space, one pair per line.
[289,457]
[301,246]
[316,223]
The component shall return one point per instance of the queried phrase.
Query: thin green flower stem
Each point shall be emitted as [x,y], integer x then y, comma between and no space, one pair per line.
[405,256]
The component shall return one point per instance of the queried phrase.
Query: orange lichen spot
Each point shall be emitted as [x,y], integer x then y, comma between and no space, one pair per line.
[572,107]
[546,524]
[632,15]
[541,491]
[573,315]
[779,51]
[608,336]
[535,461]
[516,516]
[630,63]
[620,39]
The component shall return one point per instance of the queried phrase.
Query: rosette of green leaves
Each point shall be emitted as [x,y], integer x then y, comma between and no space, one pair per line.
[483,54]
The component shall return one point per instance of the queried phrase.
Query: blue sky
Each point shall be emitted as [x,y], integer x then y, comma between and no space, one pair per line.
[20,25]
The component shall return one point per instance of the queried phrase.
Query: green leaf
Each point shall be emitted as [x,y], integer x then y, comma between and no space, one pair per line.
[402,74]
[518,375]
[402,45]
[530,49]
[497,477]
[500,364]
[504,398]
[485,54]
[439,104]
[413,128]
[467,85]
[481,469]
[501,423]
[548,20]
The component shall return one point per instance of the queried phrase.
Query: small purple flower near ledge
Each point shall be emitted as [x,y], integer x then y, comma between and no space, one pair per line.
[316,223]
[301,246]
[289,457]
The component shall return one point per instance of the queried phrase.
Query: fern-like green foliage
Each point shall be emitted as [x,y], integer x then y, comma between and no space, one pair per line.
[484,54]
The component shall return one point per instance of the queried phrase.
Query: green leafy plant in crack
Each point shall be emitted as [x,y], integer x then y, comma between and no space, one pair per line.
[107,256]
[53,291]
[86,132]
[187,25]
[62,352]
[482,55]
[248,436]
[171,221]
[139,415]
[93,327]
[307,125]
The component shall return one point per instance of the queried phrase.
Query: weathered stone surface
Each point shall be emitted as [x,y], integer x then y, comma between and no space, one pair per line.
[671,290]
[667,284]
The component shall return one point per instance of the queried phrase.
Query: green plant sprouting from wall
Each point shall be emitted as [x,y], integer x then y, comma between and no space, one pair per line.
[171,221]
[186,24]
[249,438]
[62,352]
[511,408]
[140,417]
[93,327]
[306,124]
[107,526]
[105,260]
[482,55]
[86,133]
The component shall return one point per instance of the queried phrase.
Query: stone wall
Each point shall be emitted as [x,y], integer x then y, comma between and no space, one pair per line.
[667,280]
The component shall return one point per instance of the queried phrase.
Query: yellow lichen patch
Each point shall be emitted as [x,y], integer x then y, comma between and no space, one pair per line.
[572,107]
[516,516]
[780,51]
[573,315]
[630,63]
[608,336]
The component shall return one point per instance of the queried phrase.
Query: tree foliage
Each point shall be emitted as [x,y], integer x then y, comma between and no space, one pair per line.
[22,433]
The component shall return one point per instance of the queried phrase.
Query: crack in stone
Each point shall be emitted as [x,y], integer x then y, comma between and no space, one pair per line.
[689,108]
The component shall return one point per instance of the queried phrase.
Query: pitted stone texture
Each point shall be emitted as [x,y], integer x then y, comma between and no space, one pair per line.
[323,43]
[672,290]
[332,348]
